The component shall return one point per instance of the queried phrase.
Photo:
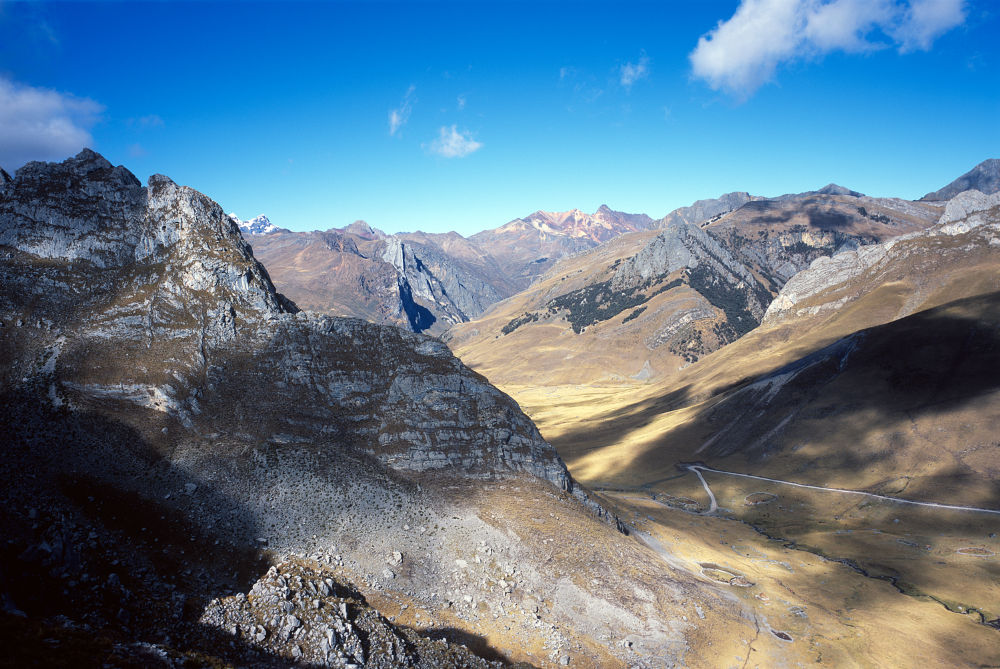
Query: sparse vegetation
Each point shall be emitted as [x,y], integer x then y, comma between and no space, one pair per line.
[724,296]
[635,314]
[515,323]
[600,302]
[878,218]
[688,344]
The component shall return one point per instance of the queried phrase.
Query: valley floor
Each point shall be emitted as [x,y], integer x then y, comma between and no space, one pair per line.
[834,578]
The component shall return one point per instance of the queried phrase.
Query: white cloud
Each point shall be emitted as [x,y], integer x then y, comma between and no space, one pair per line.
[926,20]
[461,102]
[742,53]
[452,143]
[633,72]
[844,24]
[42,124]
[398,117]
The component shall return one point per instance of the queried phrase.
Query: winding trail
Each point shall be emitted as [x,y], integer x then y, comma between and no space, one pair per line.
[698,469]
[713,506]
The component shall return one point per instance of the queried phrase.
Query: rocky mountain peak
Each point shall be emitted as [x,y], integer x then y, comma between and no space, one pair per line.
[984,177]
[834,189]
[705,210]
[364,230]
[167,242]
[85,173]
[163,275]
[259,225]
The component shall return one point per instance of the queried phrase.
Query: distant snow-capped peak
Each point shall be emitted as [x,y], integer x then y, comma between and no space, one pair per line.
[260,225]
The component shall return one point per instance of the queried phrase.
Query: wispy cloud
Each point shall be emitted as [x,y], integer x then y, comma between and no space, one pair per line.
[452,143]
[461,102]
[150,121]
[137,151]
[633,72]
[926,20]
[42,124]
[144,122]
[743,52]
[584,86]
[399,116]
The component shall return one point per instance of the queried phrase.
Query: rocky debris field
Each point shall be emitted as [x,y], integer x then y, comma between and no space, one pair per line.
[298,611]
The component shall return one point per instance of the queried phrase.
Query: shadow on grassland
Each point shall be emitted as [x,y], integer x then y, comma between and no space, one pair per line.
[908,372]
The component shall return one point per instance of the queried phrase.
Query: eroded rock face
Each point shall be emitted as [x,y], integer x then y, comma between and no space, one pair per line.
[966,212]
[709,268]
[455,293]
[150,297]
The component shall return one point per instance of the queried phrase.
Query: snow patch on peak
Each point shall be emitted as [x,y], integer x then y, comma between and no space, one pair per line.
[259,225]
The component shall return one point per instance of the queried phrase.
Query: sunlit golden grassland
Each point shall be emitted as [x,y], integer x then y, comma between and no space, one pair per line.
[895,392]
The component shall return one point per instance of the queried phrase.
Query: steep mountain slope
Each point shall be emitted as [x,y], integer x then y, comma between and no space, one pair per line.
[418,282]
[173,425]
[421,281]
[646,304]
[858,423]
[984,177]
[427,282]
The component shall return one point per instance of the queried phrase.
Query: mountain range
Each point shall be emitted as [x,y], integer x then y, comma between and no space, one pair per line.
[673,295]
[842,449]
[428,282]
[198,473]
[757,431]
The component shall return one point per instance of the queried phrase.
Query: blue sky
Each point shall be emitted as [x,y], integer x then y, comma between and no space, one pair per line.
[462,116]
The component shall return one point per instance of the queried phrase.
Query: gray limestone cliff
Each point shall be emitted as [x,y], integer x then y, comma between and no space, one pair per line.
[454,293]
[705,210]
[150,298]
[709,268]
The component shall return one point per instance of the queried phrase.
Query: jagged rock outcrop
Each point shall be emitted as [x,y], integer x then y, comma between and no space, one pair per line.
[162,271]
[710,269]
[969,206]
[300,612]
[984,177]
[454,292]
